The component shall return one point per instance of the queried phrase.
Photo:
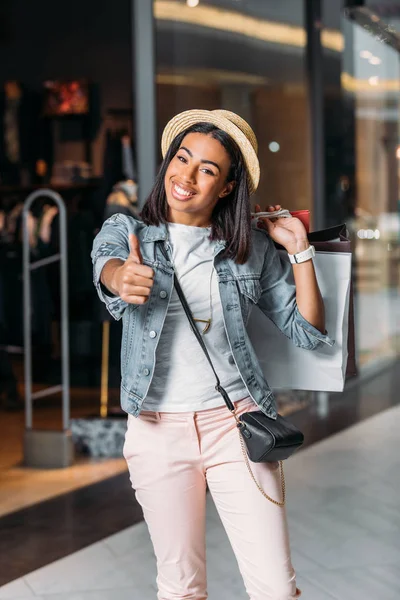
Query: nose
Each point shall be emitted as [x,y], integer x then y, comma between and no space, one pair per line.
[189,173]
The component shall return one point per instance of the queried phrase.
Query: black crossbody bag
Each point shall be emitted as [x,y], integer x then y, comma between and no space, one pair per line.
[262,439]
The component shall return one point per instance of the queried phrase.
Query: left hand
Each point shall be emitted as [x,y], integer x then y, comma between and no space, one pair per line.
[289,232]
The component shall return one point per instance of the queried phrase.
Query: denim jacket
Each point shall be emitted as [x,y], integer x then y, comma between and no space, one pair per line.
[264,280]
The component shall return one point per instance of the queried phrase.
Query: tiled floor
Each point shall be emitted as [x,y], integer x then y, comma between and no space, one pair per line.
[344,513]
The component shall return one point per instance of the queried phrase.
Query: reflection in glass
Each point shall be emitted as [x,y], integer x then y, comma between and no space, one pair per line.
[371,76]
[248,58]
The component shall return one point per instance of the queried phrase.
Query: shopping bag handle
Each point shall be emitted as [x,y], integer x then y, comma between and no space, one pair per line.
[274,214]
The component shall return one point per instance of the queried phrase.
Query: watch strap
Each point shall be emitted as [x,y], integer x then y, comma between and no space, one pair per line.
[303,256]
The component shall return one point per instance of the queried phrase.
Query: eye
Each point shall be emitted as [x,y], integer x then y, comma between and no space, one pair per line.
[208,172]
[182,159]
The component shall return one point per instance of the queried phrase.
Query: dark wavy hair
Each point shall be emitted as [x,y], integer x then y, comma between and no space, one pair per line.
[231,219]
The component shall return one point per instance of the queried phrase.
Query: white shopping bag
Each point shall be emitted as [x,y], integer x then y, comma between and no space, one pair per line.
[287,367]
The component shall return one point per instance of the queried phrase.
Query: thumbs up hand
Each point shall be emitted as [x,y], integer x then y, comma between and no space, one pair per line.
[134,246]
[133,280]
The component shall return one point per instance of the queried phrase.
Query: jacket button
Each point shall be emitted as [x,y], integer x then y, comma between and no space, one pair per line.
[153,334]
[163,294]
[146,372]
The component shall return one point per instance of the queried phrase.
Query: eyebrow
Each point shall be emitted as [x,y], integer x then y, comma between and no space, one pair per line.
[203,161]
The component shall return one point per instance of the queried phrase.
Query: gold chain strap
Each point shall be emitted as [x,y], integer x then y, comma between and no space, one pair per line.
[282,475]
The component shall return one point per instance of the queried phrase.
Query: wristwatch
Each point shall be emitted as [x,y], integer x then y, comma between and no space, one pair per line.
[301,257]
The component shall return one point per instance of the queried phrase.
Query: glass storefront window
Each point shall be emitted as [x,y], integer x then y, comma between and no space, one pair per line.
[65,118]
[370,80]
[248,57]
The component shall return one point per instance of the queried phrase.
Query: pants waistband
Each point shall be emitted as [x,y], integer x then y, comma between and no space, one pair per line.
[200,414]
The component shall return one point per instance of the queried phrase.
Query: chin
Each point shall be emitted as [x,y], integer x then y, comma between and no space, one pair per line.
[178,205]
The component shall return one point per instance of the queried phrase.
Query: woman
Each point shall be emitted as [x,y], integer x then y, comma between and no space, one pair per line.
[180,435]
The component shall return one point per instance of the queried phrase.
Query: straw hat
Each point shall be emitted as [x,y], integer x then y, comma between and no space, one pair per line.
[229,122]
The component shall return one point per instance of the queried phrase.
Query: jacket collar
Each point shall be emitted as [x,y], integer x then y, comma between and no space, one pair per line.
[155,233]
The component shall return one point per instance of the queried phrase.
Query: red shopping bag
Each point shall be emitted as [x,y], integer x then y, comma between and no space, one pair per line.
[303,216]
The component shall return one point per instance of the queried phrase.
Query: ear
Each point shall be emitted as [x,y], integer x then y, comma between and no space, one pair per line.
[227,189]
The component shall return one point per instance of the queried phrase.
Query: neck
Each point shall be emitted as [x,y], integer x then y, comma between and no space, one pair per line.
[189,219]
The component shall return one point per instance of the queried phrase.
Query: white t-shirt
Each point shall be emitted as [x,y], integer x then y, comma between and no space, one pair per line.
[183,380]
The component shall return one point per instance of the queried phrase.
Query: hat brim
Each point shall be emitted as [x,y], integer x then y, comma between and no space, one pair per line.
[186,119]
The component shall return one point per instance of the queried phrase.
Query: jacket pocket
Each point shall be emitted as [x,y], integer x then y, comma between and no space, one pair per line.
[251,288]
[249,292]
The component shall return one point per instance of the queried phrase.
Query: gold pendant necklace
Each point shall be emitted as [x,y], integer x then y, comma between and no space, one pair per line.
[207,327]
[208,322]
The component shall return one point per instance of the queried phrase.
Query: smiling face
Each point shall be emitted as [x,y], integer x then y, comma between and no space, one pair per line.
[196,179]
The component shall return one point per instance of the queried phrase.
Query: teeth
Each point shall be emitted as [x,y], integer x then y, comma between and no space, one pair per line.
[182,192]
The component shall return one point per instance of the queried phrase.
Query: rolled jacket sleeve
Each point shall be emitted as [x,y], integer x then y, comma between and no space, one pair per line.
[111,242]
[278,302]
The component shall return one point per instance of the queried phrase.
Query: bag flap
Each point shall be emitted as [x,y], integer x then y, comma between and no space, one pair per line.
[338,233]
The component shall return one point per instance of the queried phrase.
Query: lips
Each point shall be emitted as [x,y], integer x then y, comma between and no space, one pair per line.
[181,192]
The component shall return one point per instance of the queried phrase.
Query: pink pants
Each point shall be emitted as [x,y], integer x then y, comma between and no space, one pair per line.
[171,458]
